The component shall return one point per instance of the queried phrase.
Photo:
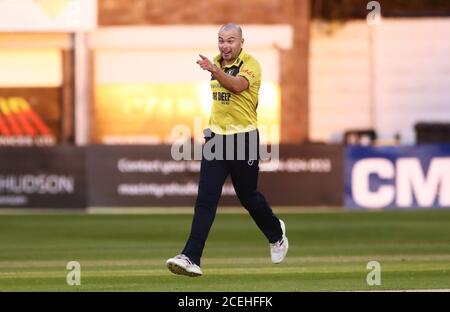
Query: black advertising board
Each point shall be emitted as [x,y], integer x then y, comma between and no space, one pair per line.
[139,176]
[44,177]
[307,175]
[147,176]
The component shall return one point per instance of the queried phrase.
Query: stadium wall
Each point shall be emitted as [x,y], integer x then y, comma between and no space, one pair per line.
[387,77]
[304,175]
[293,62]
[147,176]
[359,177]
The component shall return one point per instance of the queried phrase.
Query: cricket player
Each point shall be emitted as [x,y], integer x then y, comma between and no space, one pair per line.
[235,83]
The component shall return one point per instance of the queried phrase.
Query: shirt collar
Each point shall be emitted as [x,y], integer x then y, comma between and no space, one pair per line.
[236,62]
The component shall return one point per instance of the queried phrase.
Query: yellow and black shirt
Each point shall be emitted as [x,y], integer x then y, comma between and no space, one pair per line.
[234,113]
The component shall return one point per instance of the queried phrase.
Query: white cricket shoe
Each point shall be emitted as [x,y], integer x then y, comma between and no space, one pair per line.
[184,266]
[279,249]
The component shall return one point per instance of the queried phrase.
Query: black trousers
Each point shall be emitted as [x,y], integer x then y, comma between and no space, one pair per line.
[244,176]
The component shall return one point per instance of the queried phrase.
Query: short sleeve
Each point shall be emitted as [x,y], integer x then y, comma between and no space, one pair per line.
[251,71]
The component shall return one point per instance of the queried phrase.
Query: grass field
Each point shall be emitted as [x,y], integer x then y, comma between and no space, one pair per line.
[328,251]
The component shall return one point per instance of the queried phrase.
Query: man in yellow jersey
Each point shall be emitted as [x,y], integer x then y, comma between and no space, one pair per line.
[235,82]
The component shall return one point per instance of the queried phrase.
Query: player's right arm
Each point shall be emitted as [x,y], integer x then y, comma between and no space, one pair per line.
[234,84]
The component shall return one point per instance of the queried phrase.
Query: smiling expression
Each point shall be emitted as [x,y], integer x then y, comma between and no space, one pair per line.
[230,45]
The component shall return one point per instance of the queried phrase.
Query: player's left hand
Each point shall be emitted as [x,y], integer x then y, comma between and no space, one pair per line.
[206,64]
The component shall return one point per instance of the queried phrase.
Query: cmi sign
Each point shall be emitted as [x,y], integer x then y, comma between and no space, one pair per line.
[398,177]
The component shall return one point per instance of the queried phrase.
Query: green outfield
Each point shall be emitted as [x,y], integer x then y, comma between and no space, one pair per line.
[328,251]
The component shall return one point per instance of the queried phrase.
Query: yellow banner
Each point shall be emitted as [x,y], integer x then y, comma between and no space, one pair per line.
[149,112]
